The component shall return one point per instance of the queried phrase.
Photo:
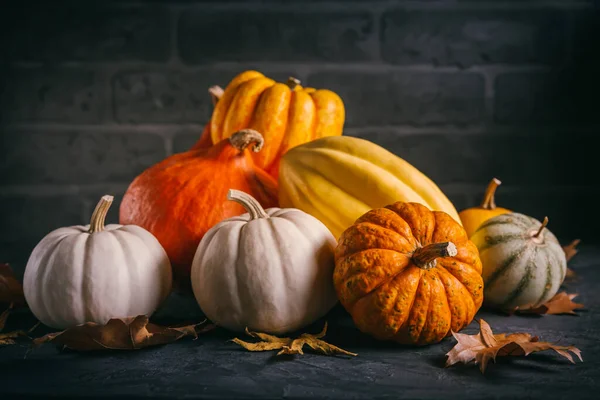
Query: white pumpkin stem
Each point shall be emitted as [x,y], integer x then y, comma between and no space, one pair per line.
[544,224]
[248,202]
[99,214]
[292,82]
[489,202]
[425,257]
[216,92]
[242,139]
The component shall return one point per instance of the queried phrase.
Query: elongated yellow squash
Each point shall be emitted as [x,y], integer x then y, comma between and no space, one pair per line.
[339,178]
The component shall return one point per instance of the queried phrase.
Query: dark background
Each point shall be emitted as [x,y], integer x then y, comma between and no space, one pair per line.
[92,93]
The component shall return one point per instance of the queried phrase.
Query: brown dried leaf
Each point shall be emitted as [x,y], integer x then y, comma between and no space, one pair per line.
[562,303]
[292,346]
[571,249]
[4,316]
[475,348]
[119,334]
[8,338]
[11,290]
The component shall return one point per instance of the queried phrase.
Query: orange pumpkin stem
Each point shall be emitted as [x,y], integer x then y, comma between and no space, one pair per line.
[242,139]
[544,224]
[292,82]
[489,202]
[216,92]
[425,257]
[248,202]
[99,214]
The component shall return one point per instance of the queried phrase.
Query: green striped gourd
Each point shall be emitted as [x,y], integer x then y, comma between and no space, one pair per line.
[523,262]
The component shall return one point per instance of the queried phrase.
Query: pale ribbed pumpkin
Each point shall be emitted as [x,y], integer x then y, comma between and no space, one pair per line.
[266,270]
[93,273]
[286,114]
[339,178]
[523,262]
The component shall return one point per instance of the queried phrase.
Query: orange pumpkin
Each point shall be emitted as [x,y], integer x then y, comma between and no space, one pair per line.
[408,274]
[183,196]
[287,115]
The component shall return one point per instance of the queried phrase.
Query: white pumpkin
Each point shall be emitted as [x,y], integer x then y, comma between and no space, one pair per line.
[523,262]
[270,271]
[93,273]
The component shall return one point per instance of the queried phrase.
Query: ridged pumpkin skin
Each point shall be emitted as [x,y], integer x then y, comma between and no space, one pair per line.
[381,280]
[339,178]
[286,114]
[473,217]
[179,199]
[519,269]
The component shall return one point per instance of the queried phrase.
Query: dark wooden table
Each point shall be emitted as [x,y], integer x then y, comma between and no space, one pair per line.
[214,368]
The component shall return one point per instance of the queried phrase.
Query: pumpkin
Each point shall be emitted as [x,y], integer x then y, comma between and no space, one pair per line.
[287,114]
[93,273]
[339,178]
[180,198]
[473,217]
[270,271]
[408,274]
[523,262]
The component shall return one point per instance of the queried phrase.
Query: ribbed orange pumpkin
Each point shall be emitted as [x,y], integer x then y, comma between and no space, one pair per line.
[183,196]
[286,114]
[408,274]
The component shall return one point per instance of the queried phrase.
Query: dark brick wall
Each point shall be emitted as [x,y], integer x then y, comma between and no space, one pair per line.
[93,92]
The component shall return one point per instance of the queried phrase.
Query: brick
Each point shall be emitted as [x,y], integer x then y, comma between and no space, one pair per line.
[567,209]
[416,98]
[90,33]
[465,38]
[75,157]
[566,96]
[206,36]
[183,141]
[31,218]
[53,95]
[476,158]
[171,95]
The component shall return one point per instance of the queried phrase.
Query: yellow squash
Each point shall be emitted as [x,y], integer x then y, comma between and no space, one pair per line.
[339,178]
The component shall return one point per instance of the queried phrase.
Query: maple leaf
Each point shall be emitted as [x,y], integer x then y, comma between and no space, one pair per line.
[561,303]
[292,346]
[9,337]
[120,334]
[11,290]
[486,346]
[570,251]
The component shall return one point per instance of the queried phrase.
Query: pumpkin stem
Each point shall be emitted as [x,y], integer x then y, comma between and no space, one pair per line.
[544,224]
[99,214]
[242,139]
[216,92]
[292,82]
[425,257]
[489,202]
[248,202]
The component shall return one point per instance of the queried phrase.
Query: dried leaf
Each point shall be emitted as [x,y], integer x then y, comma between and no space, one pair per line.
[8,338]
[119,334]
[571,249]
[292,346]
[4,316]
[11,290]
[562,303]
[486,346]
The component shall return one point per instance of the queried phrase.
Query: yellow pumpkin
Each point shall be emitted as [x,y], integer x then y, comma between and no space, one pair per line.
[339,178]
[473,217]
[286,114]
